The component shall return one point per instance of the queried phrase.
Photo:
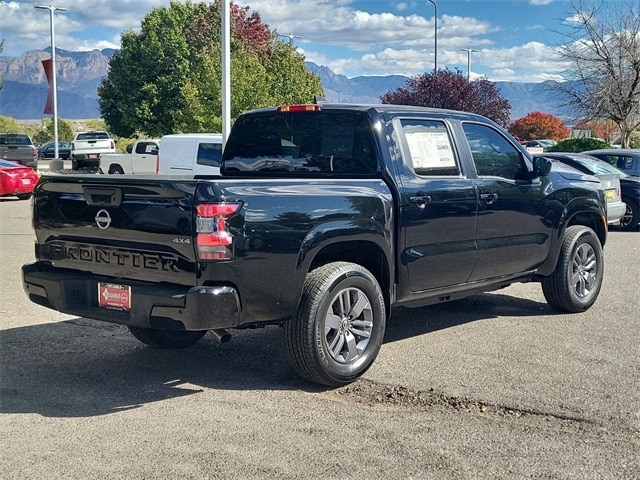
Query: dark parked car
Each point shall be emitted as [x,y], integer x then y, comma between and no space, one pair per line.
[629,186]
[48,150]
[625,159]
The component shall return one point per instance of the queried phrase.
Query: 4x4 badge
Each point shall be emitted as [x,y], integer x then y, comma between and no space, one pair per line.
[103,219]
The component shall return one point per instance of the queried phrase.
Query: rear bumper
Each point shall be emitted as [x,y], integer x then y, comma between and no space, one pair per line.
[165,307]
[615,211]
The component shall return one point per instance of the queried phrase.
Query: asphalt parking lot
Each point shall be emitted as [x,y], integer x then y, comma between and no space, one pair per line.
[494,386]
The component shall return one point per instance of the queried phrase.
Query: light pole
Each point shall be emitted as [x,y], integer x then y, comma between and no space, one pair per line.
[468,50]
[52,9]
[291,36]
[435,31]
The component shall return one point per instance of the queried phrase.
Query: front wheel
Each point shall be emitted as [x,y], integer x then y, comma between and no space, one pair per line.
[166,338]
[337,331]
[575,284]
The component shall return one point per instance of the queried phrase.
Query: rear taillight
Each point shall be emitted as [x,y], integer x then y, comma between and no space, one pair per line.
[214,242]
[34,152]
[113,145]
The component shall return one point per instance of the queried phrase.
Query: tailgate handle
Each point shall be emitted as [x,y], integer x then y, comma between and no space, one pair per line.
[103,196]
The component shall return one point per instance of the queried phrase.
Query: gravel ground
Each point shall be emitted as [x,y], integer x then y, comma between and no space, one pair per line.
[493,386]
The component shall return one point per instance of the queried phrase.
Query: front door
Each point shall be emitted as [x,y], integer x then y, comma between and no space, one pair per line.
[512,235]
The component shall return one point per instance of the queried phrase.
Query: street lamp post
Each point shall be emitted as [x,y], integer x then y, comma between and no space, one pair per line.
[291,36]
[435,31]
[52,9]
[469,51]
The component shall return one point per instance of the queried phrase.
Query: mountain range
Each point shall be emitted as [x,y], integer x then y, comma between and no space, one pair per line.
[79,74]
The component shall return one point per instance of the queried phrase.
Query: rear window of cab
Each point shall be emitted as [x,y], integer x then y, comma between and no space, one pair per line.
[301,143]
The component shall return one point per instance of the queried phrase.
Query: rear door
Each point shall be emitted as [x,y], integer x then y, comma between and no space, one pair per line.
[439,207]
[134,228]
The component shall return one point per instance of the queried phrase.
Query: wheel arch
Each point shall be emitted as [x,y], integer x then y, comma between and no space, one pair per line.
[591,219]
[365,252]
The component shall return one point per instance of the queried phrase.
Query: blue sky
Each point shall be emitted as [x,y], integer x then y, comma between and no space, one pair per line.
[514,39]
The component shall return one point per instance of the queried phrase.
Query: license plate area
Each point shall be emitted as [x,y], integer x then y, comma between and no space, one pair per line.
[114,296]
[610,193]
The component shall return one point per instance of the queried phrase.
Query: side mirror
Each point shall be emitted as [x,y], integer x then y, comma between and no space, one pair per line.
[541,167]
[154,151]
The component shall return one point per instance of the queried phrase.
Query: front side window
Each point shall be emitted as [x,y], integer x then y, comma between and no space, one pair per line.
[493,154]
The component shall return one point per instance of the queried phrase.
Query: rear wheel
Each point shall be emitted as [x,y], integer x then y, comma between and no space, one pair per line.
[166,338]
[116,170]
[631,217]
[337,331]
[575,284]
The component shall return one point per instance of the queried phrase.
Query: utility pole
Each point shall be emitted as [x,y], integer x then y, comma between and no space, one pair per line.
[435,36]
[469,51]
[54,87]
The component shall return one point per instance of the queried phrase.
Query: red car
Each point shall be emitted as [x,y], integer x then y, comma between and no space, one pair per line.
[17,180]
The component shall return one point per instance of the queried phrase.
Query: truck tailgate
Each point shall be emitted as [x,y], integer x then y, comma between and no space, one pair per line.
[139,229]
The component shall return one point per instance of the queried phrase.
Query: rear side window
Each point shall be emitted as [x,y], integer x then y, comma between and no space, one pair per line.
[429,147]
[302,143]
[623,162]
[209,154]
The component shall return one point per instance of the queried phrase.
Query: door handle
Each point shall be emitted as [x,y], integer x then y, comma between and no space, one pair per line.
[420,199]
[488,197]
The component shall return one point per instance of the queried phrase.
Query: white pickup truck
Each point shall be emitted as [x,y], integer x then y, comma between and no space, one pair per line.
[87,147]
[141,158]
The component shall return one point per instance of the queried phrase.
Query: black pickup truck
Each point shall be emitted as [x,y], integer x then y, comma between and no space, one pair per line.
[323,219]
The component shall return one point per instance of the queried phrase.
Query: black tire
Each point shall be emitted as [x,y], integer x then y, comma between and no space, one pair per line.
[631,217]
[116,170]
[575,284]
[166,338]
[75,164]
[24,196]
[337,331]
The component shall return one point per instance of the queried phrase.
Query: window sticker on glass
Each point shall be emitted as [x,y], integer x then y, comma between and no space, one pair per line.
[430,149]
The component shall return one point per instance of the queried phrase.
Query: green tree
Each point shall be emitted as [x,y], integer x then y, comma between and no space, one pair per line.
[167,78]
[579,145]
[96,124]
[9,125]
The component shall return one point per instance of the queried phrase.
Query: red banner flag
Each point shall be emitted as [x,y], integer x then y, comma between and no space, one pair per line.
[48,71]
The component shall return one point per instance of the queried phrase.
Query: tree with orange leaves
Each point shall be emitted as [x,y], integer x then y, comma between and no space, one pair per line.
[537,125]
